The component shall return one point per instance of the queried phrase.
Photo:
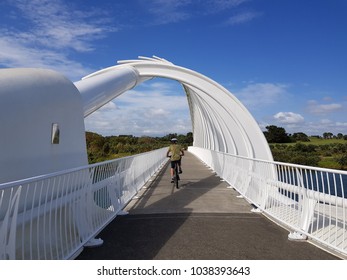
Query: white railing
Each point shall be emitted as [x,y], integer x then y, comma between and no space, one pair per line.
[54,216]
[311,202]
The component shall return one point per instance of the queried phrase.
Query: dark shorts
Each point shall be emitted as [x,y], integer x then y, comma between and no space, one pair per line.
[173,162]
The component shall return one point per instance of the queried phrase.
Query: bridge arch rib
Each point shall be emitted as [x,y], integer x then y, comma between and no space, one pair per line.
[219,120]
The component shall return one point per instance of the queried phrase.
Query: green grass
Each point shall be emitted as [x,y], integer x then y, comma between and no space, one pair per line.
[326,149]
[328,162]
[315,141]
[321,141]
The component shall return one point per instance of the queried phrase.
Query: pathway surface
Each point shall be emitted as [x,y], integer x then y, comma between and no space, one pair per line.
[203,219]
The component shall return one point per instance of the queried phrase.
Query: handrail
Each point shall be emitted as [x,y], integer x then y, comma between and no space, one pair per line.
[310,202]
[53,216]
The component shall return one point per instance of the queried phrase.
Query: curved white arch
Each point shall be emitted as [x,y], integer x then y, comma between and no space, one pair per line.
[220,121]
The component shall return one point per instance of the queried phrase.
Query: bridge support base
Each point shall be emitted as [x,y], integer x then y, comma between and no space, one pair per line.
[94,243]
[256,210]
[122,213]
[297,236]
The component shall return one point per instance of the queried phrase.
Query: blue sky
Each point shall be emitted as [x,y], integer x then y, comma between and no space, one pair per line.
[286,61]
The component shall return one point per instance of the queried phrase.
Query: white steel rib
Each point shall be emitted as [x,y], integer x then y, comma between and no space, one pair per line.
[220,121]
[52,202]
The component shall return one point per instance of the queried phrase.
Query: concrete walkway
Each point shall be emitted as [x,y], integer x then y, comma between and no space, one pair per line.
[203,219]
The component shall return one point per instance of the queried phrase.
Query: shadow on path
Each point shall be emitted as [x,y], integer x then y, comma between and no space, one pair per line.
[202,220]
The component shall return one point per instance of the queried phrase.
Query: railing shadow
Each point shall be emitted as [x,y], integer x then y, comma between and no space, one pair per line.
[194,223]
[159,212]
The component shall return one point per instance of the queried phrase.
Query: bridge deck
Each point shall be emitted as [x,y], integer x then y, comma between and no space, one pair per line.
[202,220]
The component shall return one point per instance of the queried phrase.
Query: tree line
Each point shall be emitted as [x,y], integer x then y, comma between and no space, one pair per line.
[101,148]
[275,134]
[298,148]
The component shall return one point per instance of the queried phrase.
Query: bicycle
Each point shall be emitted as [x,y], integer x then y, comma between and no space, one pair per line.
[176,177]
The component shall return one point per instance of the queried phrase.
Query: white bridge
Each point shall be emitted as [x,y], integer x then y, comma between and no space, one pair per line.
[52,203]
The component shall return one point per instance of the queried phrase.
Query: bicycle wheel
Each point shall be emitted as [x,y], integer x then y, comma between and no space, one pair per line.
[176,176]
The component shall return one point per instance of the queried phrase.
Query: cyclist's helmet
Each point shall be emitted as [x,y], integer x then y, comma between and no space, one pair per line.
[174,140]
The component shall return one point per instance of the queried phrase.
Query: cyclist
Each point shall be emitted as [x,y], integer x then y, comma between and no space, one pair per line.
[175,152]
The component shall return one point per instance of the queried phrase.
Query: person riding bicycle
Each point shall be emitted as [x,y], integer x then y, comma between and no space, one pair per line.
[175,152]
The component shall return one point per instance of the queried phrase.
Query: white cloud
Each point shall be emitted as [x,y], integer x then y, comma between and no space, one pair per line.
[57,25]
[322,109]
[172,11]
[169,11]
[325,125]
[273,104]
[156,113]
[110,106]
[288,118]
[52,32]
[293,123]
[265,100]
[13,54]
[261,94]
[325,122]
[342,124]
[154,108]
[215,6]
[242,18]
